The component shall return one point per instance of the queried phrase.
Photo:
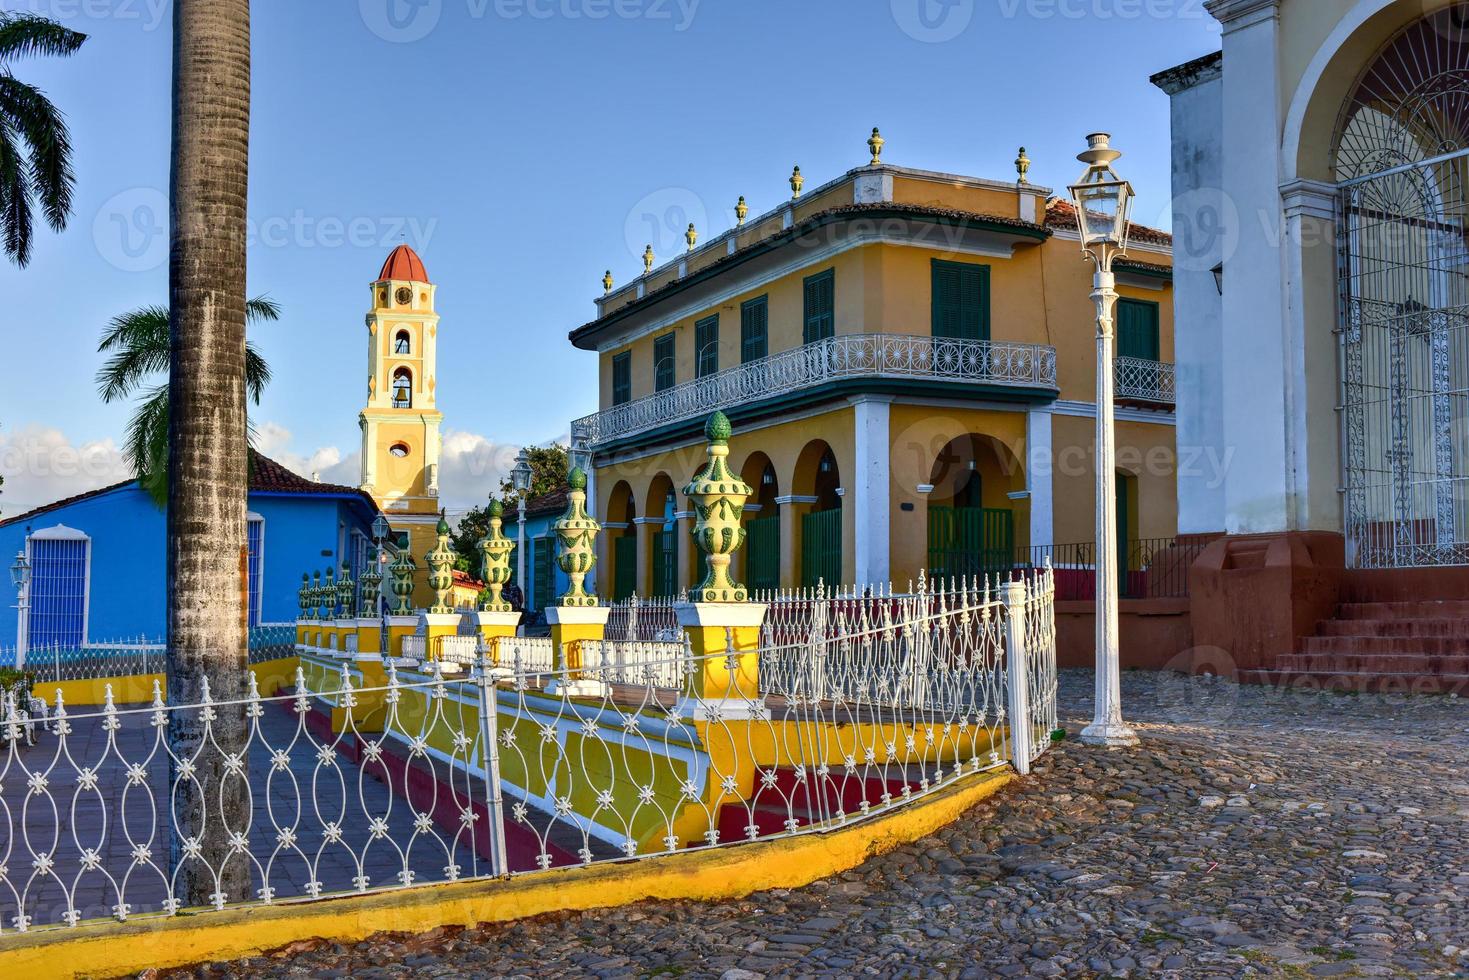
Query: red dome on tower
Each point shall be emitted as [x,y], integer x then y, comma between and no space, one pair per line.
[404,265]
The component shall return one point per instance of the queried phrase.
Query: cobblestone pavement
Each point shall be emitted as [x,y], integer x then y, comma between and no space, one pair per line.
[1256,833]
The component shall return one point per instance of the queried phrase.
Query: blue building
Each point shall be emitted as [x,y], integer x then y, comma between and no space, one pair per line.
[545,581]
[97,560]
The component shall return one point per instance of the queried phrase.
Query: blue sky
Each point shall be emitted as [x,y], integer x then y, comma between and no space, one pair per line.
[524,146]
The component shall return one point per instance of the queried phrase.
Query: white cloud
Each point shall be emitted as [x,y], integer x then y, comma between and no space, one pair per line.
[470,468]
[42,465]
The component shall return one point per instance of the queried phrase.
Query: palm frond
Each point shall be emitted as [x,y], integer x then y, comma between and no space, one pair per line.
[15,197]
[145,444]
[28,35]
[40,124]
[262,309]
[139,340]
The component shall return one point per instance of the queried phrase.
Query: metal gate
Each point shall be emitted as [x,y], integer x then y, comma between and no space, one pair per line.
[1403,272]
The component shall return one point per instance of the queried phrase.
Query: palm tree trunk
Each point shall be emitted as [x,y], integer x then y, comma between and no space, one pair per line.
[207,440]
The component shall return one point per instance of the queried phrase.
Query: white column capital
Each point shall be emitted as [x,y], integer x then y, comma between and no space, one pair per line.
[1303,198]
[1236,15]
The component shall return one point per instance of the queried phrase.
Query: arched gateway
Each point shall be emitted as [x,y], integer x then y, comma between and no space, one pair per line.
[1400,160]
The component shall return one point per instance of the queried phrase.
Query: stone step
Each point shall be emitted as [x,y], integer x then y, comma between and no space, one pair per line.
[1416,609]
[1395,663]
[1444,646]
[1394,627]
[1345,681]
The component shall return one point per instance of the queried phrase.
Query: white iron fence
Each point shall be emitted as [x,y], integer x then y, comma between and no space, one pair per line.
[641,749]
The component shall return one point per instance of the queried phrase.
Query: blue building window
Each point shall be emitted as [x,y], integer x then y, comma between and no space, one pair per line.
[60,564]
[255,542]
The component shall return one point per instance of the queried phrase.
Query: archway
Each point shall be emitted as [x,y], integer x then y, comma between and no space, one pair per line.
[402,388]
[817,497]
[1400,157]
[663,545]
[971,516]
[622,548]
[403,343]
[761,569]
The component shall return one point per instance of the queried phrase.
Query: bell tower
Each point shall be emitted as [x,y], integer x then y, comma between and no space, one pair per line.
[401,423]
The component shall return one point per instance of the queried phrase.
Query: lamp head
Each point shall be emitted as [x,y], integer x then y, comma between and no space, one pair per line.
[1102,199]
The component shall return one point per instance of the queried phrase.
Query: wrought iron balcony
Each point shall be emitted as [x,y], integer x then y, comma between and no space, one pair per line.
[1138,379]
[849,356]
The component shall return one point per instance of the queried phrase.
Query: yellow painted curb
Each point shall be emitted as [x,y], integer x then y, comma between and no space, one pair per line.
[113,949]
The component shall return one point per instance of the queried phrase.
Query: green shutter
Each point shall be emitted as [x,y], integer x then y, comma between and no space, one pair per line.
[821,548]
[1137,329]
[665,562]
[624,566]
[663,363]
[622,378]
[970,541]
[754,330]
[762,553]
[961,300]
[706,346]
[544,576]
[820,307]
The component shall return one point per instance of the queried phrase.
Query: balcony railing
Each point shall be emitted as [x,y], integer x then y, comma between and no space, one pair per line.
[989,362]
[1142,380]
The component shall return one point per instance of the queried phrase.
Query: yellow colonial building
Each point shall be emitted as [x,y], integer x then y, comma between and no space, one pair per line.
[907,358]
[401,422]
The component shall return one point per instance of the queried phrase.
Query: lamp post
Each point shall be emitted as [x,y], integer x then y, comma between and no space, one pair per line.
[520,477]
[20,576]
[1103,203]
[381,529]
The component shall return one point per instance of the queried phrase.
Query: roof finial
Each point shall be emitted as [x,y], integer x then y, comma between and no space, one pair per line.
[648,259]
[691,236]
[797,182]
[1022,167]
[742,211]
[875,143]
[607,282]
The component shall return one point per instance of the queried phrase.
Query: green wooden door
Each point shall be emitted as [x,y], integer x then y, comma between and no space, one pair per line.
[970,541]
[1124,533]
[665,562]
[625,566]
[821,548]
[1137,329]
[961,300]
[544,575]
[762,551]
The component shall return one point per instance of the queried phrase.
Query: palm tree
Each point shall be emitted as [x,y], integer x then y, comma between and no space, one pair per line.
[139,342]
[207,440]
[39,172]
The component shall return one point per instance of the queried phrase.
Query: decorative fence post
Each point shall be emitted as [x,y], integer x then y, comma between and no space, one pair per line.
[489,742]
[578,615]
[722,625]
[495,617]
[441,620]
[1017,676]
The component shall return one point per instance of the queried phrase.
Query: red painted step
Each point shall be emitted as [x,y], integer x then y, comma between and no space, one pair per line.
[1440,646]
[1392,663]
[1418,609]
[1346,681]
[1393,627]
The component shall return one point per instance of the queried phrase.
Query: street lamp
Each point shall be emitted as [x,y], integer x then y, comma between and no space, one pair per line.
[520,477]
[381,529]
[20,577]
[1103,203]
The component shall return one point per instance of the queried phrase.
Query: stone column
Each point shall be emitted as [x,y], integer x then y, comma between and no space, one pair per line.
[869,493]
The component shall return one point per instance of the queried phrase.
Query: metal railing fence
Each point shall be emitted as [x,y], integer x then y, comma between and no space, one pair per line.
[642,750]
[138,656]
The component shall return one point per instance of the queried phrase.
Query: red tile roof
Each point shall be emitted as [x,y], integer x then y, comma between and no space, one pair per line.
[404,265]
[266,476]
[550,503]
[1061,214]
